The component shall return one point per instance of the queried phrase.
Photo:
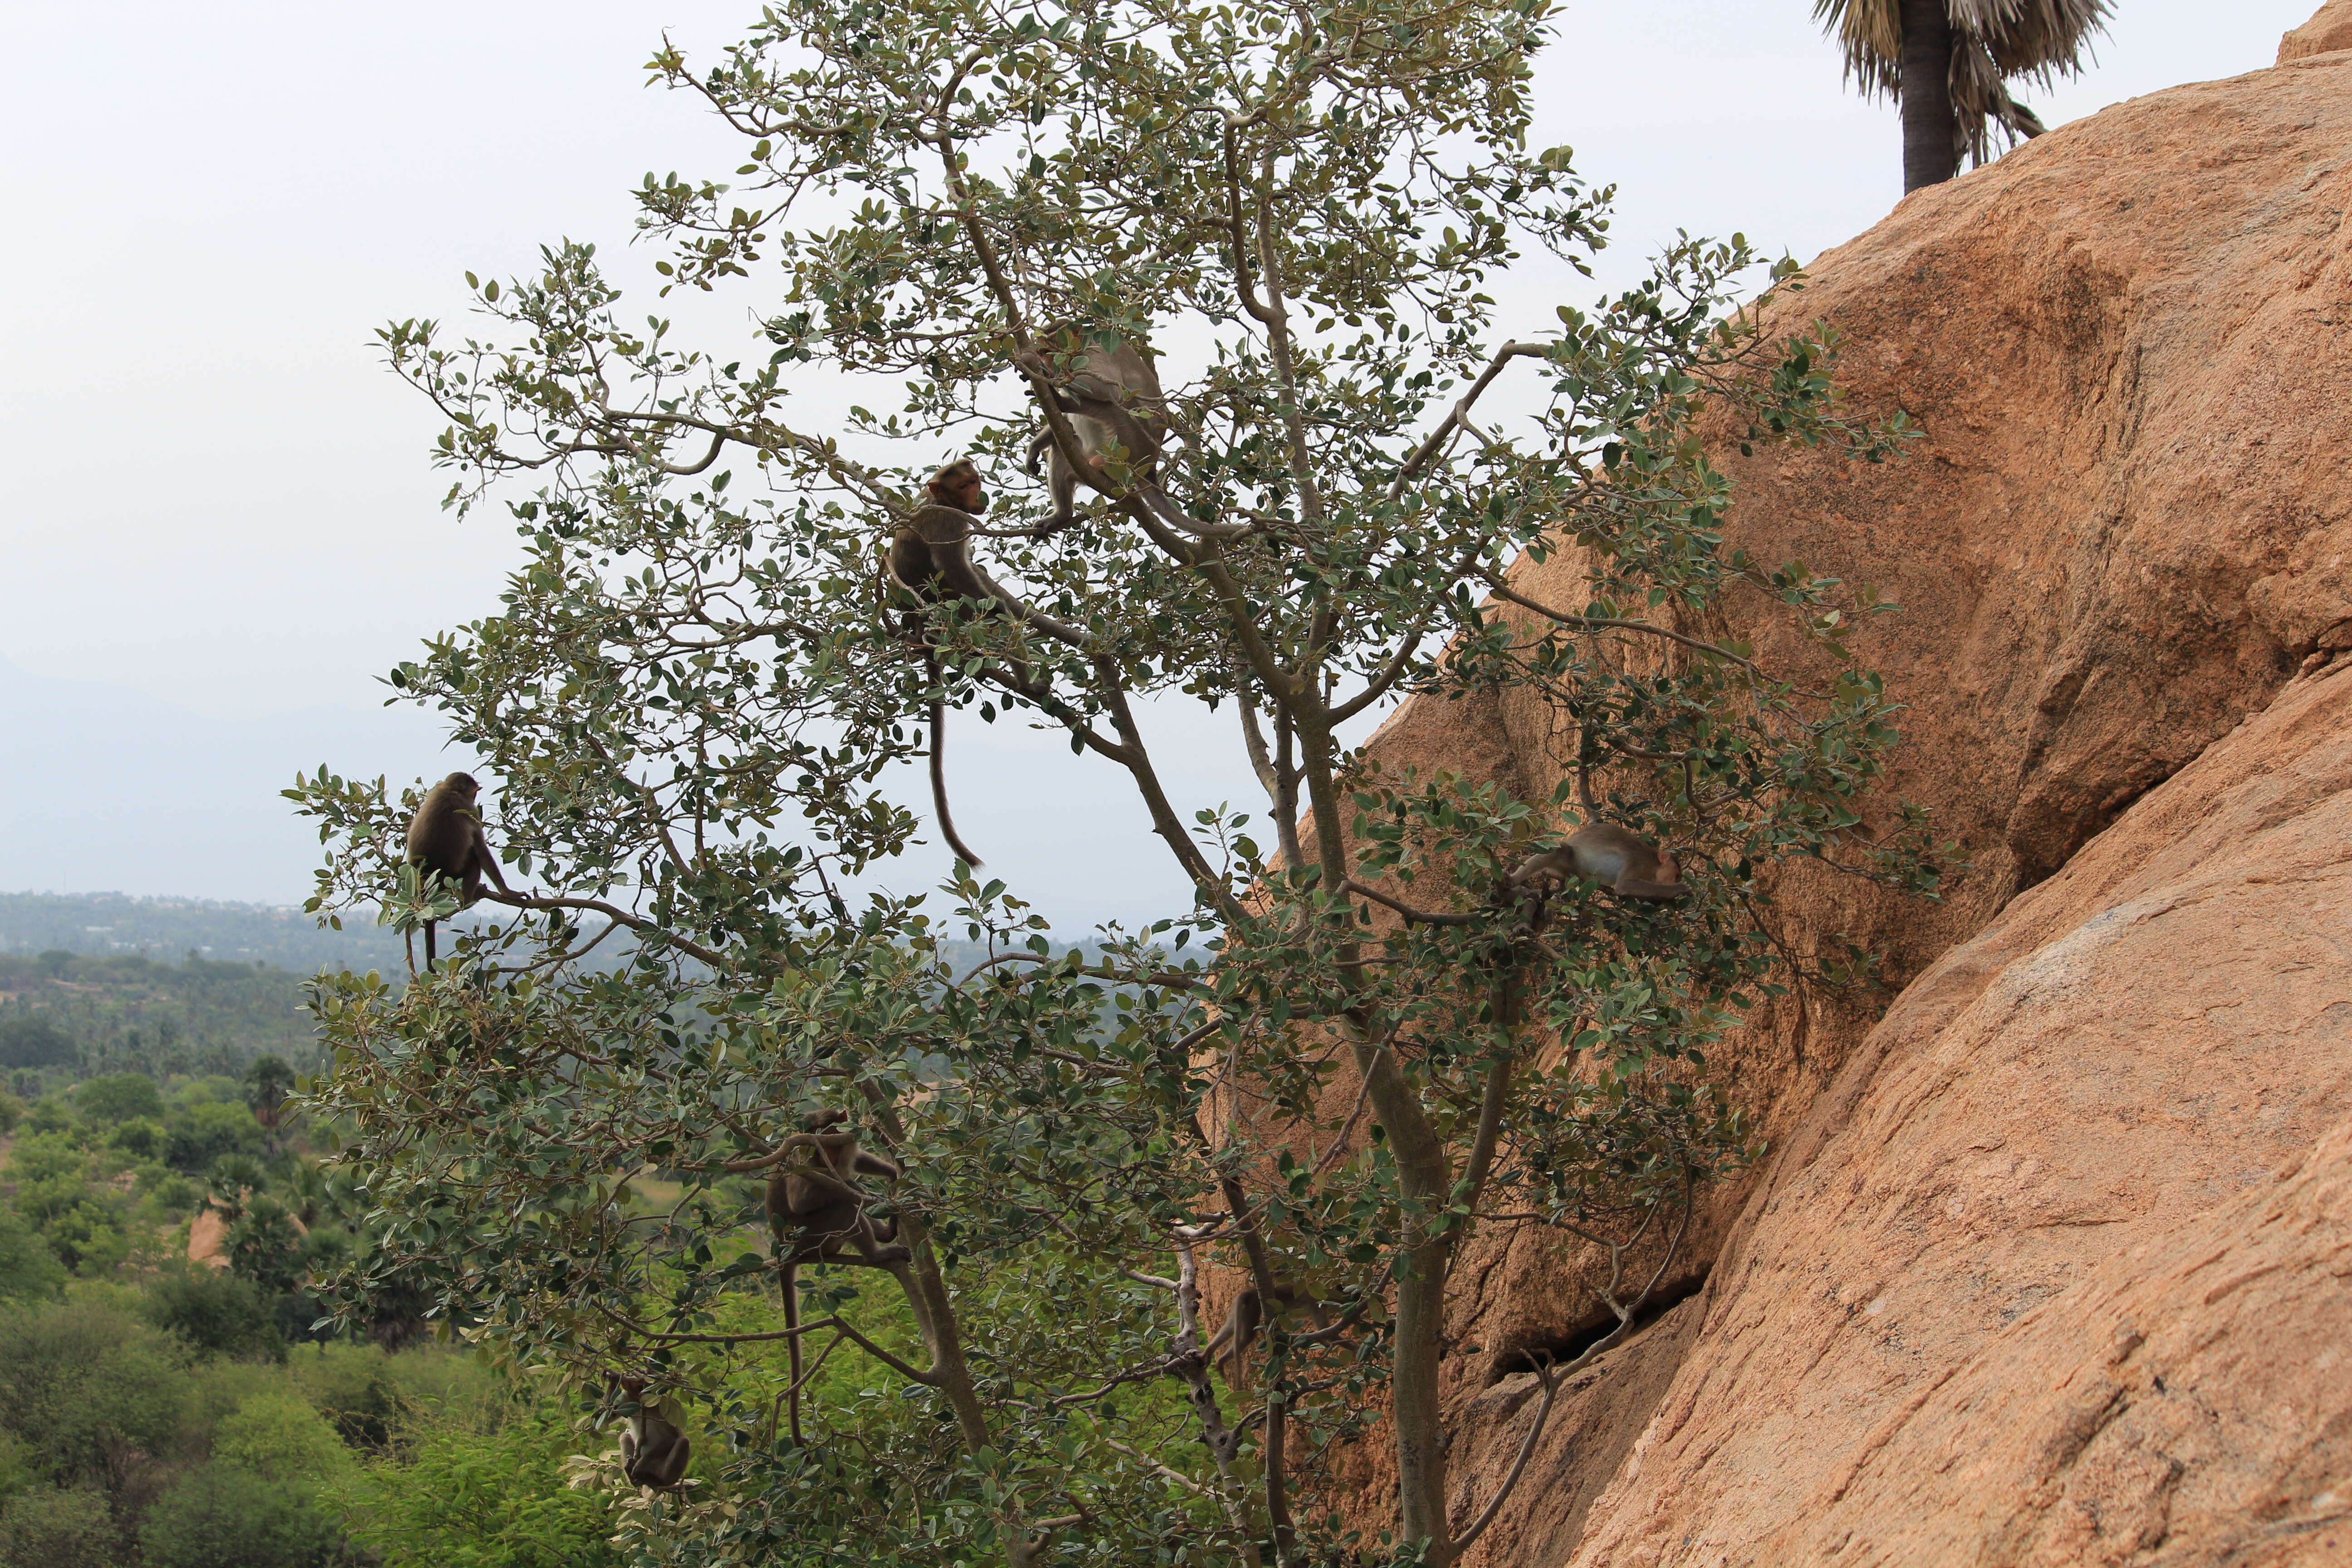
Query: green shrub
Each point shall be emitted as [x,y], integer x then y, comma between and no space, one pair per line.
[121,1097]
[352,1388]
[40,1156]
[46,1528]
[477,1499]
[141,1139]
[281,1435]
[29,1269]
[215,1313]
[87,1234]
[198,1133]
[223,1516]
[30,1040]
[84,1384]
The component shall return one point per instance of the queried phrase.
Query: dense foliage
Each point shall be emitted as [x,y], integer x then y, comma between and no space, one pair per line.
[158,1414]
[1361,1042]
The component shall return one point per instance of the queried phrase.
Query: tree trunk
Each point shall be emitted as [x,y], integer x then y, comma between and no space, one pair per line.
[1931,141]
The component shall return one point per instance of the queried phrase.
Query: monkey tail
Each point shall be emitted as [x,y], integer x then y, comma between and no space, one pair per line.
[939,764]
[790,1278]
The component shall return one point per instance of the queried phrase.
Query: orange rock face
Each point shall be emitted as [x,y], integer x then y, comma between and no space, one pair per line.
[2055,1265]
[2052,1274]
[2329,30]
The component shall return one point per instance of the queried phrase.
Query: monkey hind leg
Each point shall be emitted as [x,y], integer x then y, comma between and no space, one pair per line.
[939,782]
[1062,484]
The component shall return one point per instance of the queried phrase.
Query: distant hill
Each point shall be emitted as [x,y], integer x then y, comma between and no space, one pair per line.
[107,925]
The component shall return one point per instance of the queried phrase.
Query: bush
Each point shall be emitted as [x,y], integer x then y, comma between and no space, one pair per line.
[495,1499]
[215,1313]
[88,1388]
[30,1040]
[85,1232]
[166,1189]
[119,1097]
[223,1516]
[265,1246]
[41,1156]
[197,1135]
[12,1111]
[46,1528]
[278,1436]
[29,1270]
[352,1388]
[141,1139]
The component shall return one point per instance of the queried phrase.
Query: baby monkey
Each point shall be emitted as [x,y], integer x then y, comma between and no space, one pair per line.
[1605,853]
[445,838]
[653,1449]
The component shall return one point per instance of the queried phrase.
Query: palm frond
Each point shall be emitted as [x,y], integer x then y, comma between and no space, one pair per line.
[1993,42]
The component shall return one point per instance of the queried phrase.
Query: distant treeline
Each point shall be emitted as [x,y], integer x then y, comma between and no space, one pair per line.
[67,1015]
[106,924]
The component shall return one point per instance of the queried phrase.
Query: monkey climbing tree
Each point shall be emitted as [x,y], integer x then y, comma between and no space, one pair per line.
[1177,1235]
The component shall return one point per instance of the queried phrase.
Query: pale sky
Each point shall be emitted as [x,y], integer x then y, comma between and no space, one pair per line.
[215,502]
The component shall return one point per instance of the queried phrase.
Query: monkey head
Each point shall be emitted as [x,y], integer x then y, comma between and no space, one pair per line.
[462,784]
[958,484]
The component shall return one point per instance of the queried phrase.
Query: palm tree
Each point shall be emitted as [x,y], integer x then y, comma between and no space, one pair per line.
[1948,63]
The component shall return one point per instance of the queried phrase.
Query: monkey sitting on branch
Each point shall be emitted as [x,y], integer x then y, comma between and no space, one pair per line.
[816,1213]
[1605,853]
[930,558]
[654,1448]
[445,839]
[1112,399]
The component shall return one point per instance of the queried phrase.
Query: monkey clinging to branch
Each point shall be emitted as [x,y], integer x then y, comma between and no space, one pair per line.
[445,838]
[816,1213]
[1605,853]
[1112,399]
[930,557]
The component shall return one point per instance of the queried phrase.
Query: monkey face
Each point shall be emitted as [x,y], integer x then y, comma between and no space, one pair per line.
[958,485]
[965,494]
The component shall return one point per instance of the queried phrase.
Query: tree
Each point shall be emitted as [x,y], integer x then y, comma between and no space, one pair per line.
[267,1083]
[1948,63]
[31,1040]
[120,1097]
[1360,1046]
